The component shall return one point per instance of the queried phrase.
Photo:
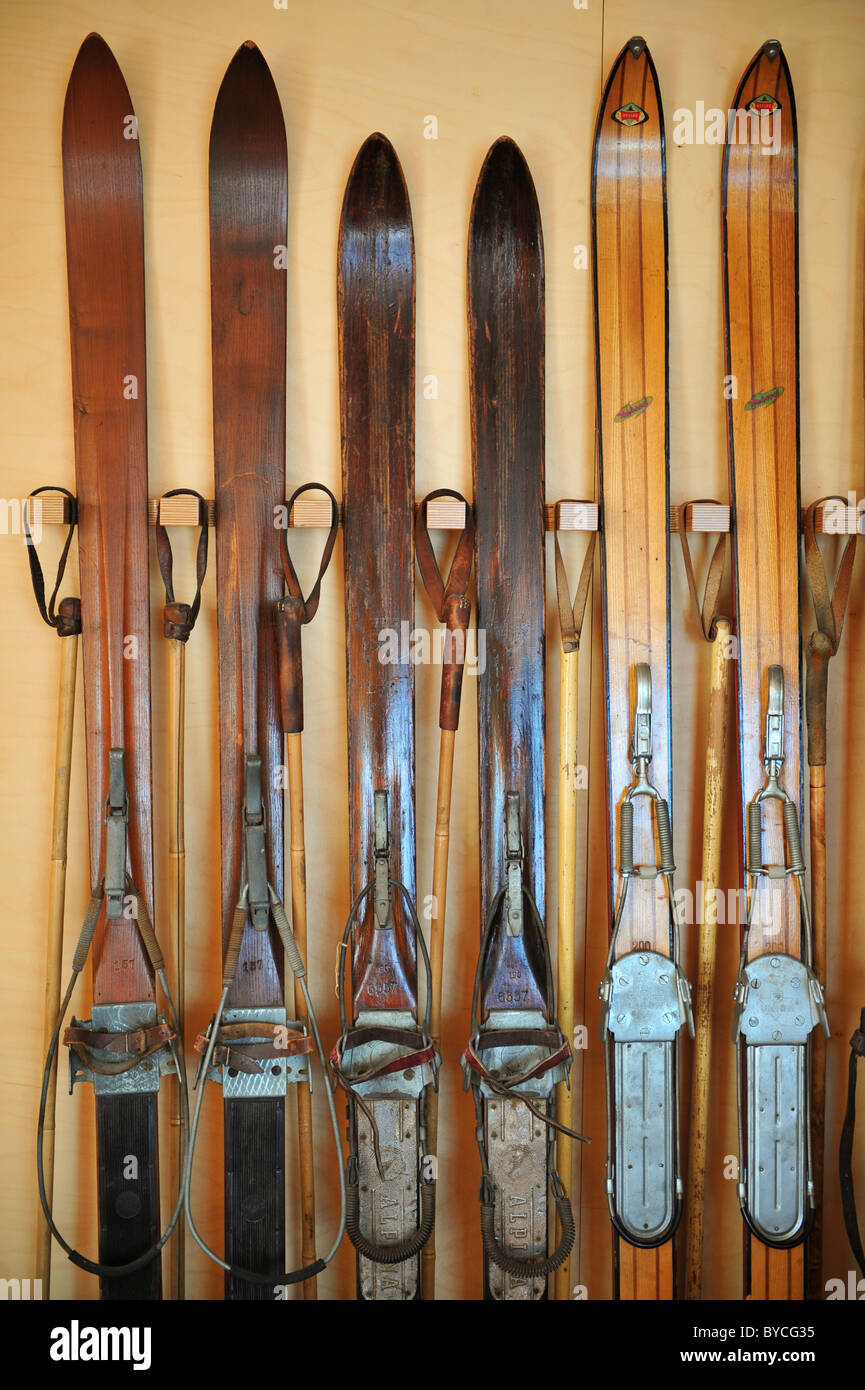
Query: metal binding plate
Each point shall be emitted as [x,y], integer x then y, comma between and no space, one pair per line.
[517,1150]
[122,1018]
[275,1077]
[778,1003]
[389,1205]
[643,1012]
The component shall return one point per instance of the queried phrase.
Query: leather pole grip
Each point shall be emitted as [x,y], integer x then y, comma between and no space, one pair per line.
[290,612]
[817,658]
[458,611]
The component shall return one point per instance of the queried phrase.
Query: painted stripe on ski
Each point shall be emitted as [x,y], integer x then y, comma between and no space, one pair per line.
[631,318]
[248,225]
[105,263]
[760,233]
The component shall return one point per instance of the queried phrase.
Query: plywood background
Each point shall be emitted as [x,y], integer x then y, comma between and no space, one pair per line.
[531,69]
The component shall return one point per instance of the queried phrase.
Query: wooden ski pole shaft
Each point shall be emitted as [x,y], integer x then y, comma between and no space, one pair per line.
[54,944]
[297,863]
[177,923]
[178,622]
[717,632]
[570,622]
[713,821]
[830,604]
[66,621]
[567,856]
[453,608]
[293,612]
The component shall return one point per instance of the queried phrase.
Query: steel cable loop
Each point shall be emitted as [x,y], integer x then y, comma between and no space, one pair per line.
[539,1266]
[249,1276]
[175,1046]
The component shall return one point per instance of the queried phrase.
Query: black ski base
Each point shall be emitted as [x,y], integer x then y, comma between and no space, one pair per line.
[255,1194]
[128,1193]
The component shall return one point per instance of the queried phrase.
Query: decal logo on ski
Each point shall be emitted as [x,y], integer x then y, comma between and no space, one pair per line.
[763,104]
[630,114]
[764,398]
[633,408]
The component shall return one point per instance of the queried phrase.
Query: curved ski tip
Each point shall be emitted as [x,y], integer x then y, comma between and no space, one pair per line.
[636,46]
[96,70]
[376,173]
[771,49]
[504,162]
[247,59]
[94,51]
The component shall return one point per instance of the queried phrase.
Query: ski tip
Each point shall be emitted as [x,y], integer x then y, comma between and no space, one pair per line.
[376,185]
[95,84]
[247,115]
[766,82]
[94,54]
[505,203]
[636,46]
[505,163]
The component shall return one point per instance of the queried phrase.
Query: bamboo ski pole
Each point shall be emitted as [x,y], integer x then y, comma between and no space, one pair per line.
[570,622]
[453,607]
[717,631]
[293,612]
[829,609]
[178,622]
[66,621]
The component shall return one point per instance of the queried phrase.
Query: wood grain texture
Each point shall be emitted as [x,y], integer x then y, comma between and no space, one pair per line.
[761,244]
[105,265]
[376,345]
[248,226]
[506,369]
[629,230]
[248,197]
[630,249]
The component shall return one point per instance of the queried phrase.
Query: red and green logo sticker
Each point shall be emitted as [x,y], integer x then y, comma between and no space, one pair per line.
[633,408]
[763,104]
[630,114]
[764,398]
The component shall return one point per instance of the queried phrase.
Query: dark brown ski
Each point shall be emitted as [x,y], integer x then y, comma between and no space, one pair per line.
[105,264]
[385,1059]
[517,1053]
[248,230]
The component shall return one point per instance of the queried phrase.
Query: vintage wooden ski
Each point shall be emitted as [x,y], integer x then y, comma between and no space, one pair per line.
[105,263]
[248,230]
[645,998]
[385,1059]
[779,999]
[517,1053]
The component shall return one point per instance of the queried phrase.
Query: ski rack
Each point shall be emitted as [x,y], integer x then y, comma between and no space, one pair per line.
[445,514]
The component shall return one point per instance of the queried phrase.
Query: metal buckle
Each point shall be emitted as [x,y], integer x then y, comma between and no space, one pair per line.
[116,827]
[381,851]
[255,840]
[514,862]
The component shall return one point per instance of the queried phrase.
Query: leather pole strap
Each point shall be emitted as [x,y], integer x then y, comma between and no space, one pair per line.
[65,618]
[179,618]
[294,611]
[830,605]
[449,599]
[709,610]
[571,615]
[845,1151]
